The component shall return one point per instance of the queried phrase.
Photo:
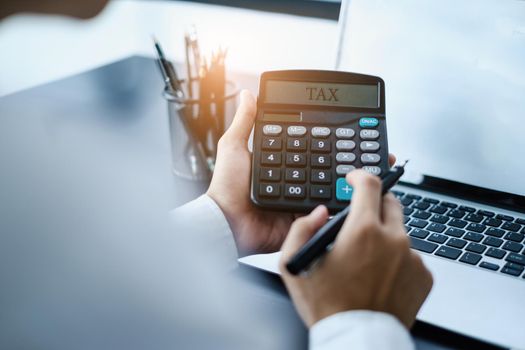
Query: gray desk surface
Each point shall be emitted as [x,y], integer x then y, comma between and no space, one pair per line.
[77,152]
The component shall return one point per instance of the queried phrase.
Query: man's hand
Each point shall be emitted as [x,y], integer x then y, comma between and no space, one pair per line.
[370,266]
[254,230]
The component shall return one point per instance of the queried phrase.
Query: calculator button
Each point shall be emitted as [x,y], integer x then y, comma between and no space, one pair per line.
[321,145]
[343,191]
[345,145]
[295,175]
[270,143]
[320,161]
[296,159]
[271,129]
[296,144]
[368,122]
[369,146]
[320,176]
[344,133]
[345,157]
[369,134]
[269,158]
[294,191]
[374,170]
[344,169]
[320,192]
[269,190]
[370,158]
[270,174]
[320,131]
[296,130]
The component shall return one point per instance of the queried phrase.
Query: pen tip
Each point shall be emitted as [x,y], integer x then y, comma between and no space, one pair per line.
[405,163]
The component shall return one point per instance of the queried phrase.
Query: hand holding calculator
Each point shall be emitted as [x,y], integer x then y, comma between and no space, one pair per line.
[311,129]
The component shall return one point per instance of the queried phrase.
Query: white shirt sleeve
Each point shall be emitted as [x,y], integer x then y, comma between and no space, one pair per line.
[204,223]
[360,330]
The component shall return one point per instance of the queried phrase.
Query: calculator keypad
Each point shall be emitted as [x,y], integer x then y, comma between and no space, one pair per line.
[309,162]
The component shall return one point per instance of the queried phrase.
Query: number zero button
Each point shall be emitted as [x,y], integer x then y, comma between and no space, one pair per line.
[269,190]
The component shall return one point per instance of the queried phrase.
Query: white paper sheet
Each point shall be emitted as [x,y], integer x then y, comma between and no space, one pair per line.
[265,262]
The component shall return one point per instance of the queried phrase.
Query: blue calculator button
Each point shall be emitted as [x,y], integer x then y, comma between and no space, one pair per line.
[343,191]
[368,122]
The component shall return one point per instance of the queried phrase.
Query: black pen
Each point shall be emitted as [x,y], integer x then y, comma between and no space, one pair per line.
[318,244]
[168,71]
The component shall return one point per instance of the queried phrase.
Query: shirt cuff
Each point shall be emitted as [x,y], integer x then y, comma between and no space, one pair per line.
[360,329]
[202,219]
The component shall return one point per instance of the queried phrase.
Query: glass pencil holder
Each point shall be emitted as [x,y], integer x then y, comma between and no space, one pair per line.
[195,126]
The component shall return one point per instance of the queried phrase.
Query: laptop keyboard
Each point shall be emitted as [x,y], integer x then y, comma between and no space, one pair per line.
[466,234]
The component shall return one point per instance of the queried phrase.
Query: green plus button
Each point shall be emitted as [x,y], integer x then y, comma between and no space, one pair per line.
[368,122]
[343,191]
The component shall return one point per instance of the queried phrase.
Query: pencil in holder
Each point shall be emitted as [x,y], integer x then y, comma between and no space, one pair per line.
[195,126]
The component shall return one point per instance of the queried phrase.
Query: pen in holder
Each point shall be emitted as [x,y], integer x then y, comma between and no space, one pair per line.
[195,126]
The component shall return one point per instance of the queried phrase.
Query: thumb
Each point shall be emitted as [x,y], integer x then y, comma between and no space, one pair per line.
[244,119]
[301,231]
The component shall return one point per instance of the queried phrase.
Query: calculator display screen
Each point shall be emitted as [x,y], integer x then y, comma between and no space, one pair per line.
[322,94]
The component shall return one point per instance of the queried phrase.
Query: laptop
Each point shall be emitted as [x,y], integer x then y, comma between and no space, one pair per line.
[454,73]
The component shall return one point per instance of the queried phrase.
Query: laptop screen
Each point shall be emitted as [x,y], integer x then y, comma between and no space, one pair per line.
[454,74]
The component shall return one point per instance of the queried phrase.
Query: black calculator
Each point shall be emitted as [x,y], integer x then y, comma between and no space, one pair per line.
[312,128]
